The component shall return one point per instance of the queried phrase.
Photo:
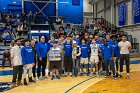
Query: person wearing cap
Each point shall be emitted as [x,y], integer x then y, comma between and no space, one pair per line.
[28,60]
[55,60]
[76,51]
[42,50]
[125,47]
[107,53]
[16,62]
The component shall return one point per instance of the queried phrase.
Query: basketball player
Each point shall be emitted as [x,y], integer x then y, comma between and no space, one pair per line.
[94,58]
[28,60]
[125,47]
[84,56]
[68,56]
[116,50]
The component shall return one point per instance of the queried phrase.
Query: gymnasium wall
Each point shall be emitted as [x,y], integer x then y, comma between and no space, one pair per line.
[72,13]
[87,11]
[134,31]
[104,10]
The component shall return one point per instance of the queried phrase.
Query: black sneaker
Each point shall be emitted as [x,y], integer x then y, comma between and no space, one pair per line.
[48,73]
[109,74]
[117,74]
[75,75]
[25,82]
[115,78]
[127,77]
[31,80]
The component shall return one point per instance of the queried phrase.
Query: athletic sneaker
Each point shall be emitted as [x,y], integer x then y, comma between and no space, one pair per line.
[109,74]
[66,74]
[75,75]
[127,77]
[117,74]
[71,74]
[97,75]
[87,74]
[31,80]
[25,82]
[52,77]
[44,77]
[115,78]
[58,77]
[81,74]
[35,78]
[91,74]
[106,76]
[48,73]
[120,76]
[40,78]
[14,84]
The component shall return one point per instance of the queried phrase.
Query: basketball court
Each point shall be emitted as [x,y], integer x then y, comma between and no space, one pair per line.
[82,84]
[74,33]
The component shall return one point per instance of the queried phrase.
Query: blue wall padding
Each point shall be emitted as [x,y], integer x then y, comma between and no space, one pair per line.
[71,13]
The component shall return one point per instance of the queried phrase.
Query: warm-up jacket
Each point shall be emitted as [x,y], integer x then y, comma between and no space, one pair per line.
[42,49]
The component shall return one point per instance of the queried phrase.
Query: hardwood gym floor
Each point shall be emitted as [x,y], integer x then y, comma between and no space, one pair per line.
[82,84]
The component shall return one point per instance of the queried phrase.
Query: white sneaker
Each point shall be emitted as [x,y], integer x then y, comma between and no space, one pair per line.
[36,78]
[40,78]
[70,73]
[44,77]
[66,73]
[91,74]
[97,75]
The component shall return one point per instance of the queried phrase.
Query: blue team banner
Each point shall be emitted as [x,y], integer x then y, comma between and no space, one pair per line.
[76,2]
[136,11]
[122,13]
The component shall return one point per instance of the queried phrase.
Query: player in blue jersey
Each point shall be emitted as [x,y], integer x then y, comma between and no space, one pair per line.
[85,48]
[116,50]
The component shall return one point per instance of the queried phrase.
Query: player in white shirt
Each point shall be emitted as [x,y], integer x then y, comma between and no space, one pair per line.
[94,58]
[125,47]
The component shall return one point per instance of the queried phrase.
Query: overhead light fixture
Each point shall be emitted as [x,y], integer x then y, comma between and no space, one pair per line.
[14,2]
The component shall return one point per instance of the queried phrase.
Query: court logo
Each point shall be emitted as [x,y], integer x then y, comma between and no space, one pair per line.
[4,86]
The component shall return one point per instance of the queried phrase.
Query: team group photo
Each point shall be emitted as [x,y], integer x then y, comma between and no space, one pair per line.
[69,46]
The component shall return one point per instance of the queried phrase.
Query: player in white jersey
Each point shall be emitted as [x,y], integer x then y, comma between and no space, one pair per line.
[94,58]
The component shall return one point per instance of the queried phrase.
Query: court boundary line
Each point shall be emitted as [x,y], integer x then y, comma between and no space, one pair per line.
[78,85]
[91,85]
